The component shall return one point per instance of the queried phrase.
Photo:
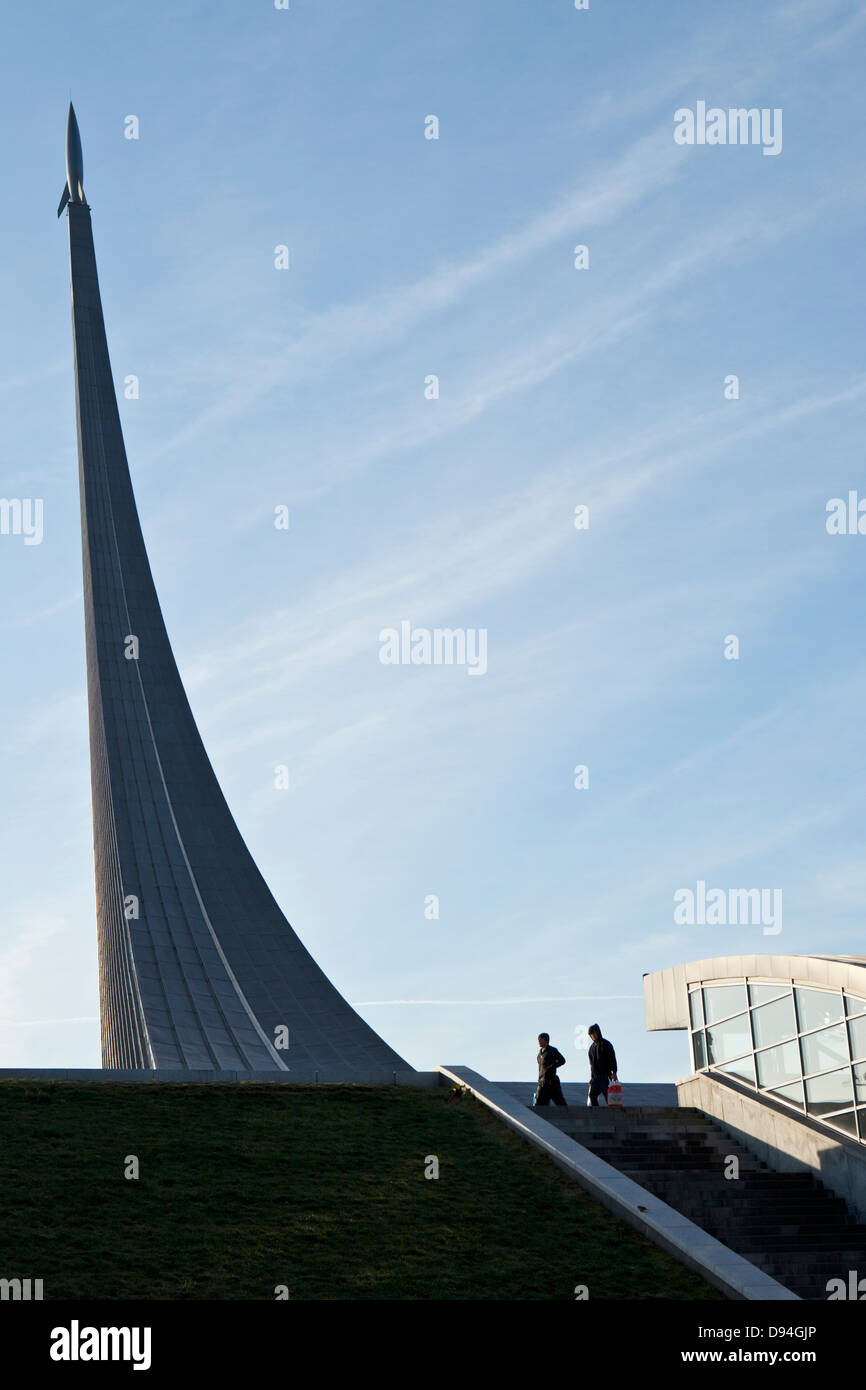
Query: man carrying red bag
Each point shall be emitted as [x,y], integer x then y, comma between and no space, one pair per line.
[602,1065]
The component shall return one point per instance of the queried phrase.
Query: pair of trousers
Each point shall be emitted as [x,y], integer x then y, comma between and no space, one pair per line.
[550,1091]
[598,1087]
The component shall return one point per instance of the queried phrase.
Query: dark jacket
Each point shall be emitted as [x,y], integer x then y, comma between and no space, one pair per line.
[548,1060]
[602,1059]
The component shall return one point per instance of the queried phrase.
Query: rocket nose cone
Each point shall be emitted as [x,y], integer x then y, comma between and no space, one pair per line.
[74,158]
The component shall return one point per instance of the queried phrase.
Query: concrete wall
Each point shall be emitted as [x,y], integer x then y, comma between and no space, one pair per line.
[643,1093]
[298,1076]
[781,1138]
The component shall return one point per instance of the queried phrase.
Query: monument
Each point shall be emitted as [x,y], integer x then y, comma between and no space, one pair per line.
[198,967]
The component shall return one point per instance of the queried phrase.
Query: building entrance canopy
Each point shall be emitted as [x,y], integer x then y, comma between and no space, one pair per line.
[789,1027]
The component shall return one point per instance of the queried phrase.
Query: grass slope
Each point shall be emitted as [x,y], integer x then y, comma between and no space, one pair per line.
[322,1189]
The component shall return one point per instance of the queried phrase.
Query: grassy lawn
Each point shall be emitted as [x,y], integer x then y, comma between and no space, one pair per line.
[322,1189]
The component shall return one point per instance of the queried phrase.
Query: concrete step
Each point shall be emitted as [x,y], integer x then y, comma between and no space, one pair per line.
[765,1212]
[719,1189]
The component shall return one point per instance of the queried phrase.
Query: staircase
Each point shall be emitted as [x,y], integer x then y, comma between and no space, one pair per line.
[787,1224]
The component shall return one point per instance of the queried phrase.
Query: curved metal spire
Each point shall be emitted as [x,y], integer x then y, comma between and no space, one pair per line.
[198,966]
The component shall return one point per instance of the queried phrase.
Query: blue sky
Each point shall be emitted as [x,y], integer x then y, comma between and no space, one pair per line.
[558,387]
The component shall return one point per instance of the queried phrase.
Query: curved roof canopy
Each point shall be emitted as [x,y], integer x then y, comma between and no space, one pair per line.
[666,991]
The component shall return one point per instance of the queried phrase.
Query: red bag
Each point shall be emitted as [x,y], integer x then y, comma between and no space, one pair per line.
[614,1093]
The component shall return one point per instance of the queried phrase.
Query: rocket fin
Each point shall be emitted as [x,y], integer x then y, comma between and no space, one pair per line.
[64,200]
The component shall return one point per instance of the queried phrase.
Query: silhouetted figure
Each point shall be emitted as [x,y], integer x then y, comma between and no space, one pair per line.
[602,1065]
[549,1087]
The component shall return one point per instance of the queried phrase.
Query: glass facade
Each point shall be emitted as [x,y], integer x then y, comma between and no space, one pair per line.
[804,1046]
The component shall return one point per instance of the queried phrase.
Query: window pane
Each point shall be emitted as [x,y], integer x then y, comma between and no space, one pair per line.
[773,1022]
[861,1115]
[794,1095]
[825,1049]
[696,1008]
[829,1092]
[731,1039]
[759,994]
[857,1034]
[744,1069]
[844,1121]
[860,1080]
[721,1000]
[700,1051]
[779,1065]
[816,1007]
[854,1005]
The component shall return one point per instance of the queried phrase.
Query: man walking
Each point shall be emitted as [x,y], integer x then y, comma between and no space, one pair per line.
[549,1086]
[602,1065]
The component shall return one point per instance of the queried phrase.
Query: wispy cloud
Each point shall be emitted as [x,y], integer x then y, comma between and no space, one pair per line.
[329,336]
[530,999]
[46,1022]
